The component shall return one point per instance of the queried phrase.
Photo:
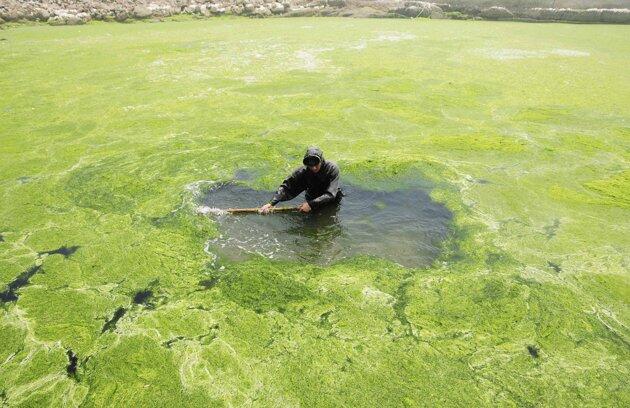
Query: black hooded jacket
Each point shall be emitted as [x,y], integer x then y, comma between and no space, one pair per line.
[321,187]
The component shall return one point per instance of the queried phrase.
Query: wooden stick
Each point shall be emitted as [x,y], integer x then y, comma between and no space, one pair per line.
[255,210]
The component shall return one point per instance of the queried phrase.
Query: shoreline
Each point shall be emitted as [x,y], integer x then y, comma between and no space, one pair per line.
[77,13]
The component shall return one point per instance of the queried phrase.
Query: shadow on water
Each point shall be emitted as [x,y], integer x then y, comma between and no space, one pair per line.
[404,226]
[64,250]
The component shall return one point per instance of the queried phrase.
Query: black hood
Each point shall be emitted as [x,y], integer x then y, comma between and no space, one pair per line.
[312,153]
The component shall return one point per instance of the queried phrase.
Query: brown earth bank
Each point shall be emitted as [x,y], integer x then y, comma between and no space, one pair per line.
[68,12]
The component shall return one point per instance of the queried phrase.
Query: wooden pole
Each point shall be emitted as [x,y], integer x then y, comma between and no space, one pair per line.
[255,210]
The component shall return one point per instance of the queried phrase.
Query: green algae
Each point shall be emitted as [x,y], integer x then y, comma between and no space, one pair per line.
[526,305]
[616,189]
[472,142]
[262,290]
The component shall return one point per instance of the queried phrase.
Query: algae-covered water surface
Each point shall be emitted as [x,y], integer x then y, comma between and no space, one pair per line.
[492,158]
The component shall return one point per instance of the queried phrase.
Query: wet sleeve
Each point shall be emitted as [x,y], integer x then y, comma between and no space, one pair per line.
[291,187]
[331,191]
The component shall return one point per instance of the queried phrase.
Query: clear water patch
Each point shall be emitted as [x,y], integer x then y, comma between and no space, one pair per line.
[404,226]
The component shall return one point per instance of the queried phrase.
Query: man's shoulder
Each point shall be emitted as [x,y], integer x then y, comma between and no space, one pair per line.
[300,171]
[332,166]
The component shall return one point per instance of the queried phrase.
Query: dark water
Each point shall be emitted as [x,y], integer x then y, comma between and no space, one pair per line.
[533,351]
[404,226]
[110,325]
[71,368]
[143,297]
[10,295]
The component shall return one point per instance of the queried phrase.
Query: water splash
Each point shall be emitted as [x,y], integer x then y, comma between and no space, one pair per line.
[205,210]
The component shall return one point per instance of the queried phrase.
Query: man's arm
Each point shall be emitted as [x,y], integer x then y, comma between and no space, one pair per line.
[291,187]
[331,192]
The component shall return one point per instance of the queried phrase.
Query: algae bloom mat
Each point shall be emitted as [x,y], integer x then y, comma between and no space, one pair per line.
[111,133]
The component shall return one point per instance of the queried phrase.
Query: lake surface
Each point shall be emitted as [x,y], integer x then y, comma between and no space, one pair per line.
[404,226]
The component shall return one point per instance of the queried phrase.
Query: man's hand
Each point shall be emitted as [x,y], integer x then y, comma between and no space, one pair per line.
[304,207]
[265,209]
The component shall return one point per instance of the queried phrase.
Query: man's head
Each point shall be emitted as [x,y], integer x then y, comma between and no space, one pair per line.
[313,159]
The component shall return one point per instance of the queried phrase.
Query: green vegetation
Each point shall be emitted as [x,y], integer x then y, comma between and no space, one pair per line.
[109,133]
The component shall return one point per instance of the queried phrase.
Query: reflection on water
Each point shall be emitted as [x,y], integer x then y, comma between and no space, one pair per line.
[403,226]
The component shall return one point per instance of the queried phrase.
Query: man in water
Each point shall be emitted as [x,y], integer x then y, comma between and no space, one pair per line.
[320,179]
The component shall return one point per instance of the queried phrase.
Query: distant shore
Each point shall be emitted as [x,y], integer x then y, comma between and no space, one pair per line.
[74,12]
